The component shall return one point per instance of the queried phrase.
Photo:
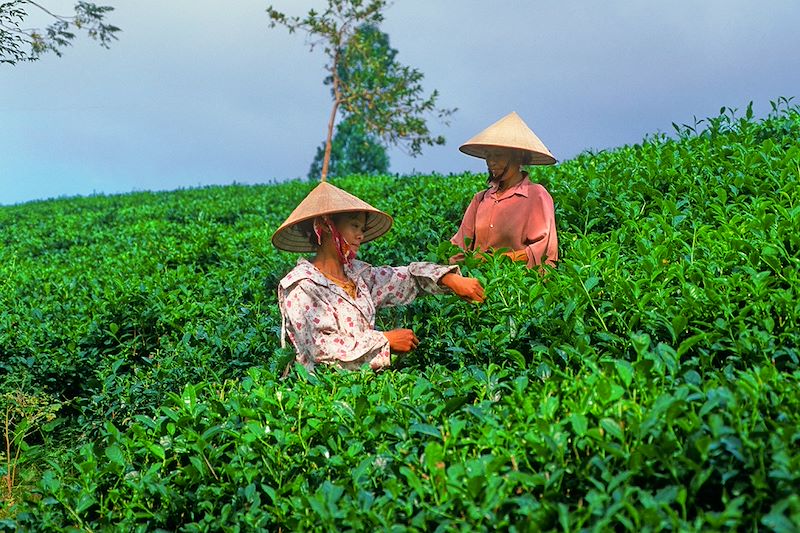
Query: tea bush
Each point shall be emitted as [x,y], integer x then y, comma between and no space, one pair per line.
[648,382]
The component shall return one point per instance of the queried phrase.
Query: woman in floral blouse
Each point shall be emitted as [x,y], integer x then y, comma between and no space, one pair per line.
[328,302]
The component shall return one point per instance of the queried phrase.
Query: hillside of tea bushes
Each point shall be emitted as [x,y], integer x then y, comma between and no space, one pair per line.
[651,381]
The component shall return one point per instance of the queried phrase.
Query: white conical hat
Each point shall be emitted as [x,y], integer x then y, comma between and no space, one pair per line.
[509,132]
[325,199]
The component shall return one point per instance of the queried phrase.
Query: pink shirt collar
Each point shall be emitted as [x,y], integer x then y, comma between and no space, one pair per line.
[520,188]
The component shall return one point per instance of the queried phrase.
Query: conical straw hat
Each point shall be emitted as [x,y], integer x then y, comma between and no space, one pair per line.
[509,132]
[325,199]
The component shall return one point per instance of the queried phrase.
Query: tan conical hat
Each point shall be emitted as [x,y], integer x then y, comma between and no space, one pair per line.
[325,199]
[509,132]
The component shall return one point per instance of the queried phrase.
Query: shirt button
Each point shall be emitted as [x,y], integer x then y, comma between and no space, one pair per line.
[491,225]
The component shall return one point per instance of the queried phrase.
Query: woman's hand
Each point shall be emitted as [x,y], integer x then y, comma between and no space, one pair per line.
[469,289]
[517,255]
[401,340]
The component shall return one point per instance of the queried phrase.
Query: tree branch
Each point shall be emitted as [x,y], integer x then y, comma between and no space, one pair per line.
[55,16]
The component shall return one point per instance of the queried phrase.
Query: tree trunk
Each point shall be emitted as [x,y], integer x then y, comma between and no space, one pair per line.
[326,159]
[337,98]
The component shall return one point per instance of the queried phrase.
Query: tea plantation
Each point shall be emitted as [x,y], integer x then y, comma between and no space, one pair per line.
[650,382]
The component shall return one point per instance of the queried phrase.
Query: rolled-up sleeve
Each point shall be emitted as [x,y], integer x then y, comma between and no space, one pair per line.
[541,238]
[467,228]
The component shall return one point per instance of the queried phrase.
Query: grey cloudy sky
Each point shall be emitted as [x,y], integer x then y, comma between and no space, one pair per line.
[200,92]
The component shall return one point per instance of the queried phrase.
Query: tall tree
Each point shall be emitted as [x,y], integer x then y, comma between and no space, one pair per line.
[353,151]
[367,83]
[27,44]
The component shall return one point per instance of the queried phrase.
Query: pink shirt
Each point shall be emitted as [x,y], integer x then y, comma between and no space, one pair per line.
[521,218]
[328,326]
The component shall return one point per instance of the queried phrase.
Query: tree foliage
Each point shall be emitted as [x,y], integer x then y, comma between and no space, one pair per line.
[27,44]
[367,82]
[353,151]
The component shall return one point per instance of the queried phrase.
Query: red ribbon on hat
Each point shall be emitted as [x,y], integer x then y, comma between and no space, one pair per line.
[346,254]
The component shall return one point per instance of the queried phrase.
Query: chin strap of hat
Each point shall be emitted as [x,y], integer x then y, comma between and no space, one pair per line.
[492,178]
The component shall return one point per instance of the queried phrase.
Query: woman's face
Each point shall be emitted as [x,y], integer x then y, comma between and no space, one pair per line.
[499,162]
[351,226]
[496,164]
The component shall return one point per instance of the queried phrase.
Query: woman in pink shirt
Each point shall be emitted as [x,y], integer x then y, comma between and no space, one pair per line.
[514,213]
[328,302]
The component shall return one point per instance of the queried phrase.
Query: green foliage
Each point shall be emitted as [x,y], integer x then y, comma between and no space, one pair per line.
[649,382]
[23,44]
[21,415]
[368,85]
[353,151]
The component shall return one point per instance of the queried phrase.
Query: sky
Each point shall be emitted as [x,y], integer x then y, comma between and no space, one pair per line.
[201,92]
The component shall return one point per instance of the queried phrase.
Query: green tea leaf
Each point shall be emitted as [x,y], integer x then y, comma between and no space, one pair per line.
[425,429]
[612,427]
[579,424]
[114,454]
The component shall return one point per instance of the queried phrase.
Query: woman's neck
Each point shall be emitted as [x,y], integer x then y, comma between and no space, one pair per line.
[327,262]
[510,181]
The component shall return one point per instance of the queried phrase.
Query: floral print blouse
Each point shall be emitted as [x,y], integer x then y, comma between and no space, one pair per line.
[328,326]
